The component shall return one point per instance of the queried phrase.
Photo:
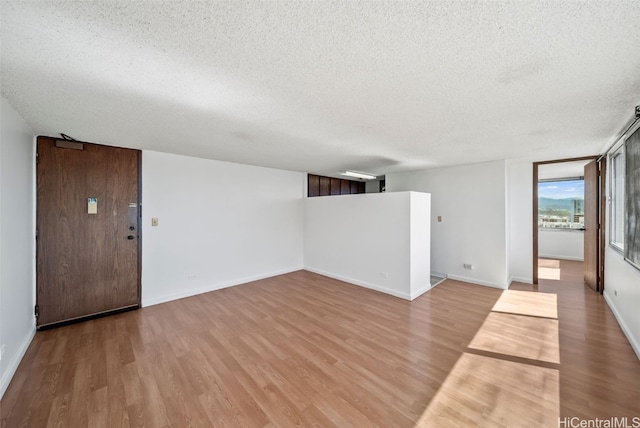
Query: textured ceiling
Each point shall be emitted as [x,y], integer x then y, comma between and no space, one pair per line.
[325,86]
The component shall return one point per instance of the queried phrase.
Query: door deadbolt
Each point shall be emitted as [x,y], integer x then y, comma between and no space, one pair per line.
[130,237]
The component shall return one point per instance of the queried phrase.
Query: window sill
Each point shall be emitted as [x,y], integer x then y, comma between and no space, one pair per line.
[616,248]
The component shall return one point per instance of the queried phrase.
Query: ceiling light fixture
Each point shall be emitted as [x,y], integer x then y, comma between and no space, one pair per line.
[361,175]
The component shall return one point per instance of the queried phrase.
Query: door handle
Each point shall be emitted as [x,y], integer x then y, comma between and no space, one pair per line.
[130,237]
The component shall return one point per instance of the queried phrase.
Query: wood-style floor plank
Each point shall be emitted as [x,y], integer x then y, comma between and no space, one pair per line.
[305,350]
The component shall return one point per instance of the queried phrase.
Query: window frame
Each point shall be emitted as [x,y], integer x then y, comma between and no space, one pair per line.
[616,195]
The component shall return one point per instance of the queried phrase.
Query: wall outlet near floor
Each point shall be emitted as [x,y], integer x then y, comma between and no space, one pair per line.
[468,266]
[384,274]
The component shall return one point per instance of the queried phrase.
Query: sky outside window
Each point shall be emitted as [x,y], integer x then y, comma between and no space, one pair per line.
[561,189]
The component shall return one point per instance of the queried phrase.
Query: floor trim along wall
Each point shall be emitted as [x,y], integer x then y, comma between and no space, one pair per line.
[440,274]
[421,291]
[477,281]
[15,362]
[635,345]
[394,293]
[209,288]
[520,279]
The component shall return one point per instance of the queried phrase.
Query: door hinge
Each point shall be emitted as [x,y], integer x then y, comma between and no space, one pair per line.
[36,311]
[36,234]
[37,158]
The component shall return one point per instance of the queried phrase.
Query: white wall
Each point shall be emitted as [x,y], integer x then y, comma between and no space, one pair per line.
[420,245]
[520,202]
[372,186]
[378,240]
[624,280]
[561,244]
[220,224]
[17,237]
[471,201]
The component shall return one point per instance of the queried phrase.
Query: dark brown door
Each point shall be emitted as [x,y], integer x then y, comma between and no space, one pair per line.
[88,230]
[591,229]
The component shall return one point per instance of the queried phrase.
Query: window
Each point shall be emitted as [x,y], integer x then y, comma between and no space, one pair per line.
[616,199]
[561,203]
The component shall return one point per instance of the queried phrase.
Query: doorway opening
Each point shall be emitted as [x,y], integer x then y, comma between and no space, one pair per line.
[566,220]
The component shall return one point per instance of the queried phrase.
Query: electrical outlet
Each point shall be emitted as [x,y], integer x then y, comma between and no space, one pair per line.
[384,274]
[468,266]
[154,221]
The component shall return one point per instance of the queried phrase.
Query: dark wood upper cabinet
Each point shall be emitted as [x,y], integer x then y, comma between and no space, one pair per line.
[313,185]
[318,185]
[345,187]
[336,186]
[325,186]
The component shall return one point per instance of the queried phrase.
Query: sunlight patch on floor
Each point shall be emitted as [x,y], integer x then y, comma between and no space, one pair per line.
[549,263]
[527,303]
[494,390]
[488,392]
[549,269]
[519,336]
[549,273]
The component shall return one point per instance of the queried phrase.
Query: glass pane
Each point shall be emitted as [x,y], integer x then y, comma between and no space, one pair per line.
[561,204]
[617,199]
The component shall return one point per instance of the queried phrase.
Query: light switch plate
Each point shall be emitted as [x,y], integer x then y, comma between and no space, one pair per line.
[154,221]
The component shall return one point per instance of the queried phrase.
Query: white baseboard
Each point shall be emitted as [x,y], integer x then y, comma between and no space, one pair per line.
[477,281]
[520,279]
[15,361]
[213,287]
[420,292]
[364,284]
[440,274]
[632,341]
[548,256]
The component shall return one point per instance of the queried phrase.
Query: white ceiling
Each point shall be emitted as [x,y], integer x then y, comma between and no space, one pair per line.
[325,86]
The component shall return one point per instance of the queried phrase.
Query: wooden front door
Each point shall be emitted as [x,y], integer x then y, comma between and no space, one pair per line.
[88,239]
[591,225]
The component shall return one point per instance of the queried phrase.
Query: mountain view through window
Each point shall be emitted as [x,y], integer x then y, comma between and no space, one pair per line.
[561,204]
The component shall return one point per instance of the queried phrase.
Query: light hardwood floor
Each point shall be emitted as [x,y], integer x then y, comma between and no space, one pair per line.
[304,350]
